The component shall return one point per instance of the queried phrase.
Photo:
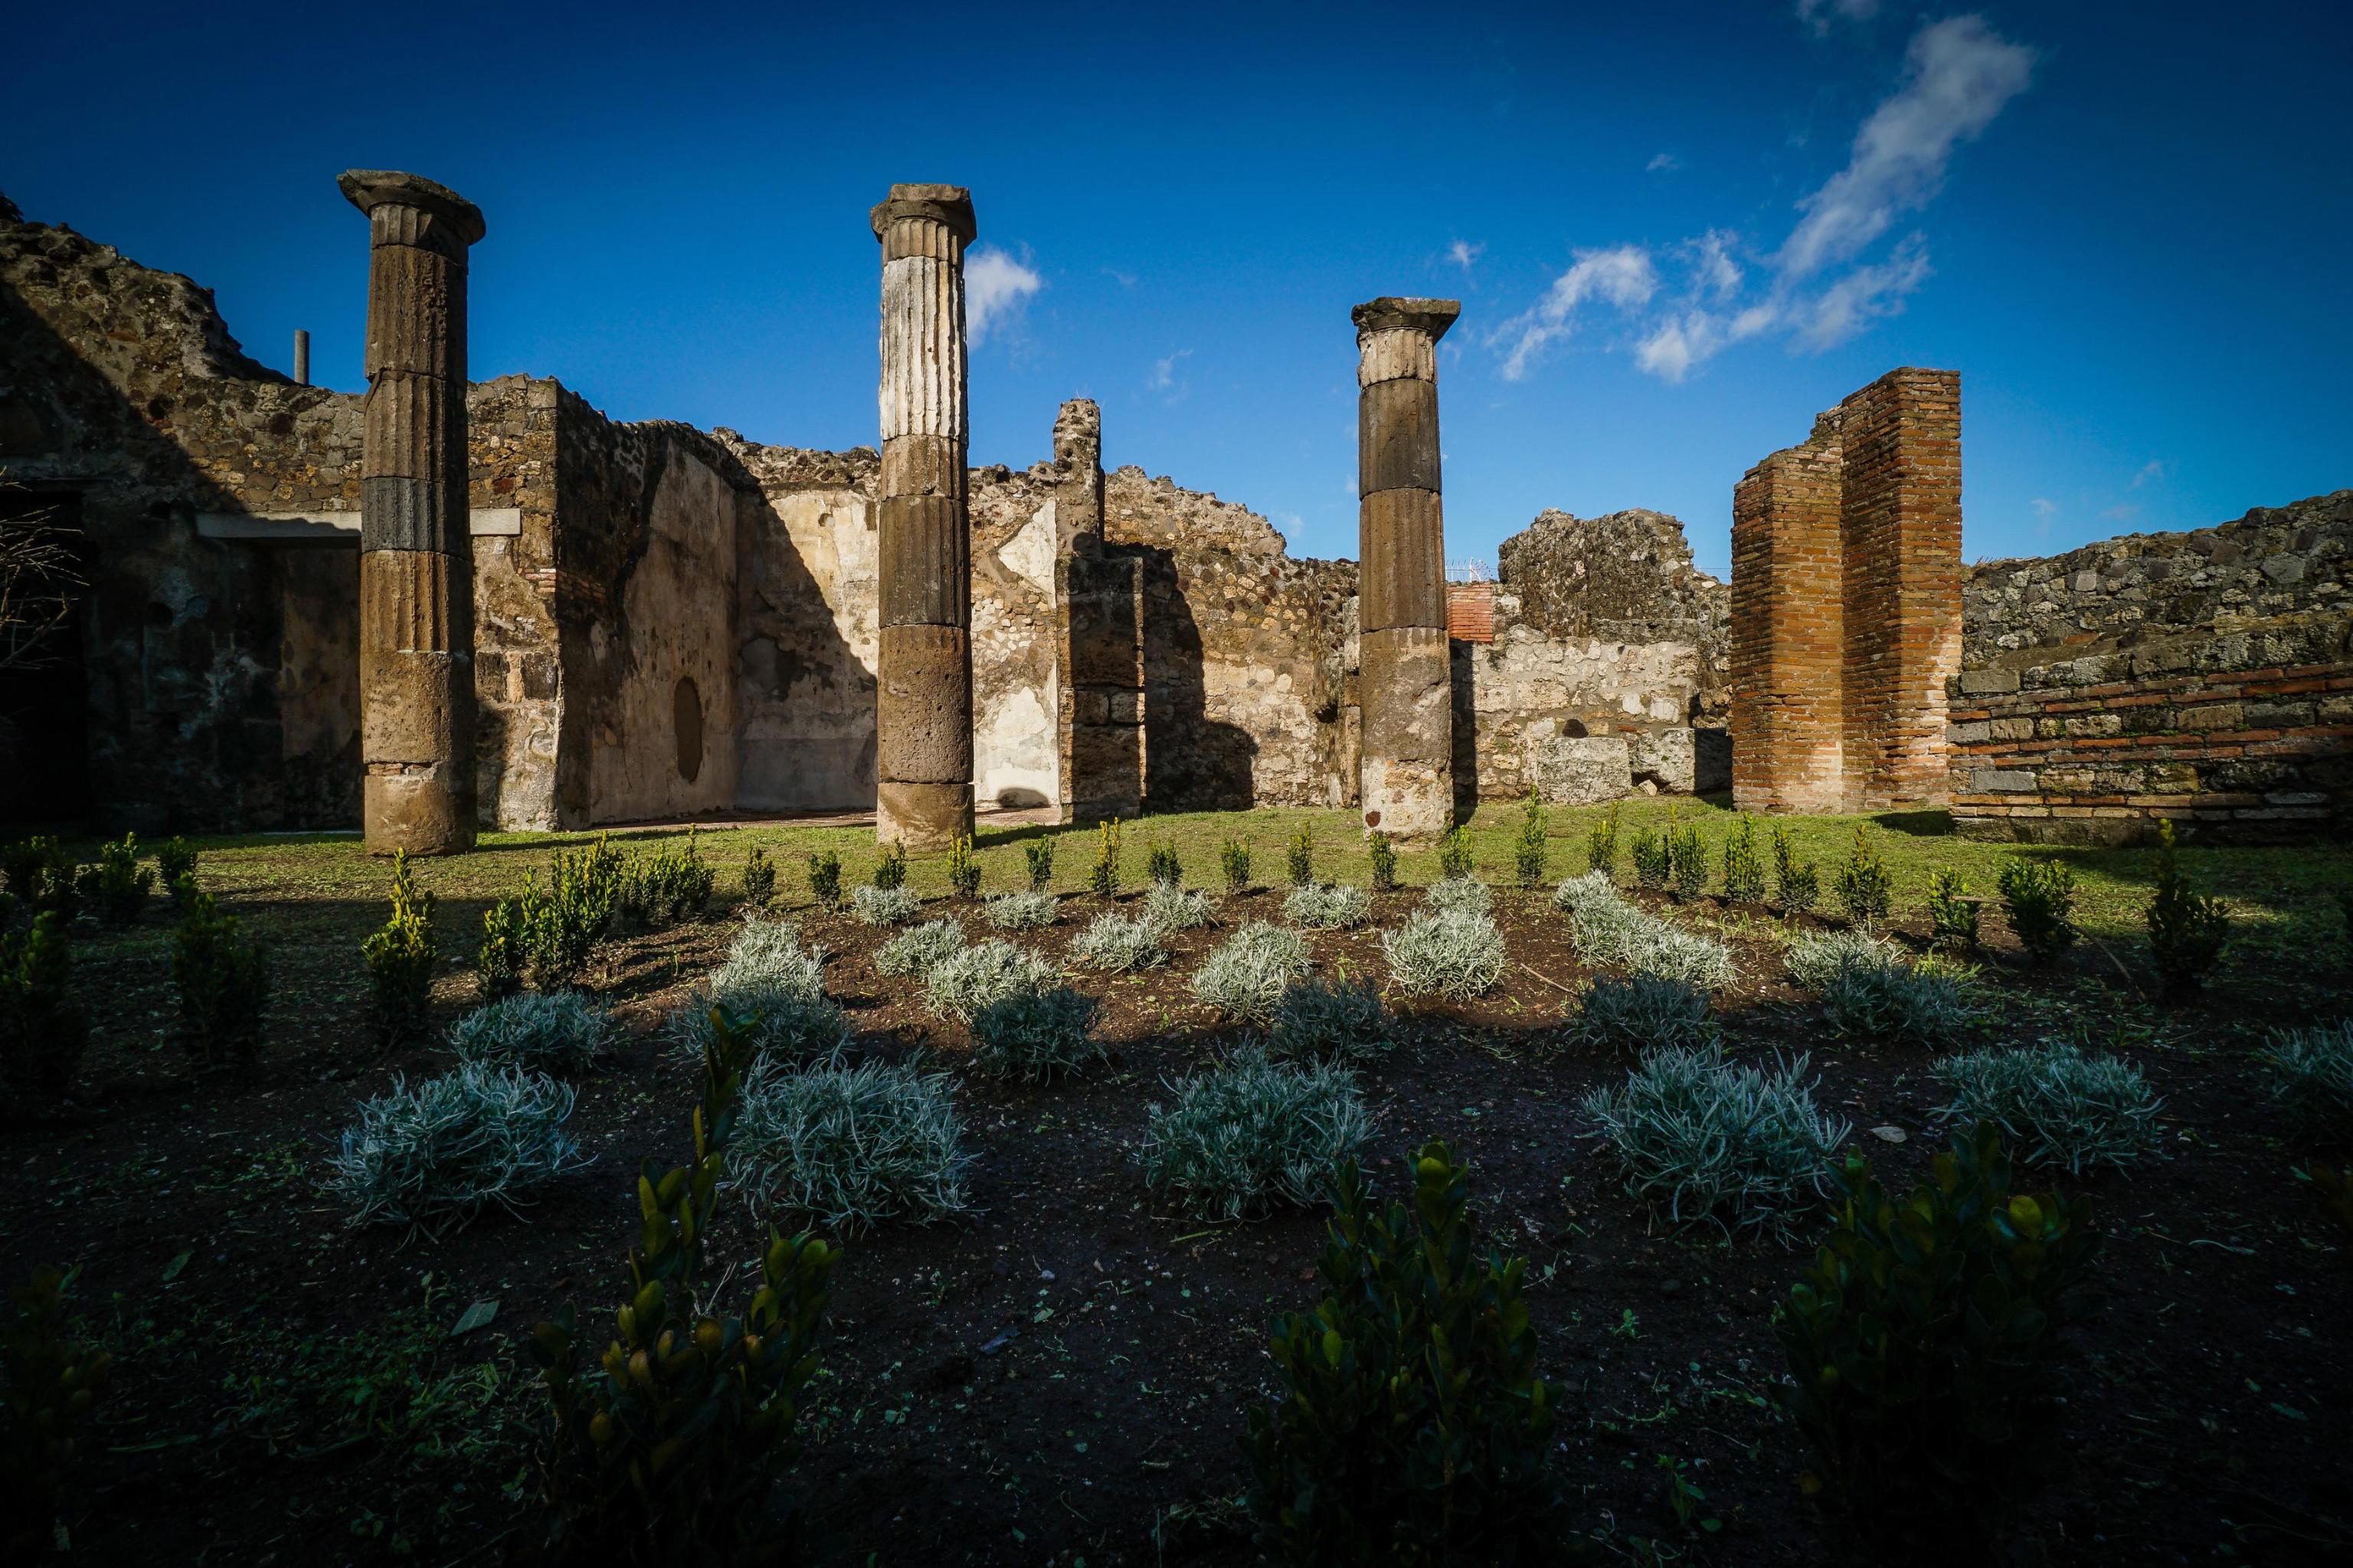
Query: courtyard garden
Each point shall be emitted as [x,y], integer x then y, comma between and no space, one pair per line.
[1648,1184]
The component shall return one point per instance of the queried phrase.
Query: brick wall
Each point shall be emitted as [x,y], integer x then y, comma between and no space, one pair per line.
[2205,677]
[1846,622]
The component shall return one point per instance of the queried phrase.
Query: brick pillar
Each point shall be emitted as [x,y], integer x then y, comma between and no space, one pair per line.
[1788,634]
[1900,525]
[1406,770]
[1100,660]
[924,701]
[417,571]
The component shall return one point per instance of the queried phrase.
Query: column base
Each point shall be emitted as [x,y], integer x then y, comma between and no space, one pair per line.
[922,818]
[1405,771]
[424,810]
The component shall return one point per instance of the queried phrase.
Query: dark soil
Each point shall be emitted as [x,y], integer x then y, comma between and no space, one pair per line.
[1062,1375]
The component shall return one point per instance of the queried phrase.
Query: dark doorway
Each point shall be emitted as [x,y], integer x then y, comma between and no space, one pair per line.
[44,700]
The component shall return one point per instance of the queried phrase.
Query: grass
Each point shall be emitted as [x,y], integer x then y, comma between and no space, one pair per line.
[306,890]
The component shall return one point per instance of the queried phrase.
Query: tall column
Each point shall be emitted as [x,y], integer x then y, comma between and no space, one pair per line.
[417,571]
[1406,769]
[923,754]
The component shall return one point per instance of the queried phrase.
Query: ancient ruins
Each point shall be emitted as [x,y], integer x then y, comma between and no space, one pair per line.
[441,604]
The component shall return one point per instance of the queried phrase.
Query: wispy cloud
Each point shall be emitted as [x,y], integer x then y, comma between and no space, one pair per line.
[1622,276]
[1662,163]
[1820,14]
[996,288]
[2044,509]
[2122,513]
[2151,472]
[1163,377]
[1822,285]
[1462,253]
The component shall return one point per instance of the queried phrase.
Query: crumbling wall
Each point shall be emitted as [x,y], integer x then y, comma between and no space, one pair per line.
[1235,633]
[1016,700]
[219,639]
[1607,670]
[2205,676]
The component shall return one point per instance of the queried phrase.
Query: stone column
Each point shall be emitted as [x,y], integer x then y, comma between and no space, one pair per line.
[923,755]
[1406,770]
[417,571]
[1100,660]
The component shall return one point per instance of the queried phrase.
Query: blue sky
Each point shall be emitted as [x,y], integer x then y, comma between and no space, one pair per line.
[1678,230]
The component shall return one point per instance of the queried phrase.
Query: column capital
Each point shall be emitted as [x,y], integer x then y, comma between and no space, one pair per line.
[949,205]
[368,189]
[1392,312]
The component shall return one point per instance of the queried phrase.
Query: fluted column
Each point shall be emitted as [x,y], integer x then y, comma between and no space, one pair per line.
[417,573]
[923,753]
[1406,771]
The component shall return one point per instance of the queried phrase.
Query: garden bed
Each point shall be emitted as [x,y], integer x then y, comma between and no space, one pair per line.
[1062,1373]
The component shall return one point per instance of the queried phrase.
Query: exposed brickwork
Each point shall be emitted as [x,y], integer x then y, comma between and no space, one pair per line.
[1846,613]
[1471,612]
[2205,677]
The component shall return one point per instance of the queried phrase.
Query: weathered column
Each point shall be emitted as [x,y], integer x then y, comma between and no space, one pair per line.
[1406,771]
[1100,663]
[417,573]
[923,755]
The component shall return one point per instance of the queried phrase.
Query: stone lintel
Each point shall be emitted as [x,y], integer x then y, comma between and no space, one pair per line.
[1394,313]
[368,189]
[949,205]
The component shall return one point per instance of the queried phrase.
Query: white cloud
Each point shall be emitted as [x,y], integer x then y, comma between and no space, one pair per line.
[2044,509]
[1961,74]
[2121,514]
[996,289]
[1621,275]
[1821,286]
[1462,253]
[1662,163]
[1163,371]
[1819,15]
[2152,470]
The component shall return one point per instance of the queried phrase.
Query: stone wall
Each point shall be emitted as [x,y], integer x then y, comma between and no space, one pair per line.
[2206,676]
[217,652]
[1607,671]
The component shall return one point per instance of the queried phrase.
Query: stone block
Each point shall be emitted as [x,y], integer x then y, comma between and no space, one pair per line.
[925,818]
[1665,757]
[1403,579]
[1988,683]
[926,561]
[1408,682]
[1581,770]
[423,811]
[924,465]
[1991,780]
[1397,436]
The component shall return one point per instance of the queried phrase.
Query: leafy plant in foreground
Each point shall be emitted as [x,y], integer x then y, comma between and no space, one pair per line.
[2039,898]
[1532,851]
[1165,870]
[987,972]
[2310,1072]
[1028,910]
[175,858]
[1641,1013]
[43,1030]
[1686,859]
[52,1383]
[499,961]
[1653,862]
[1871,988]
[1299,856]
[1344,1023]
[43,877]
[1797,886]
[1245,977]
[892,905]
[1168,909]
[1456,954]
[1327,907]
[1411,1427]
[919,951]
[1925,1342]
[432,1157]
[655,892]
[964,871]
[891,869]
[1744,868]
[669,1448]
[400,960]
[1119,944]
[1601,843]
[118,884]
[1866,888]
[1039,854]
[1104,876]
[223,982]
[1036,1037]
[1234,862]
[1952,913]
[1383,851]
[548,1032]
[824,881]
[1455,854]
[852,1147]
[759,878]
[2187,930]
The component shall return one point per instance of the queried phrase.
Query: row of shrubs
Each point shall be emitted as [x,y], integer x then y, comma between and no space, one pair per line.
[39,876]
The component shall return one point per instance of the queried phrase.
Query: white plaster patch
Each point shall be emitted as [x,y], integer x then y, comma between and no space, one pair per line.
[1017,750]
[1029,554]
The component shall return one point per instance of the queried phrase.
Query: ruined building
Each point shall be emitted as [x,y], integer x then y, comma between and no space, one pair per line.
[668,623]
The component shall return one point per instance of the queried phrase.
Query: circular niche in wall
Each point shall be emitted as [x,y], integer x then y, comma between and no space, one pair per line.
[686,723]
[1573,728]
